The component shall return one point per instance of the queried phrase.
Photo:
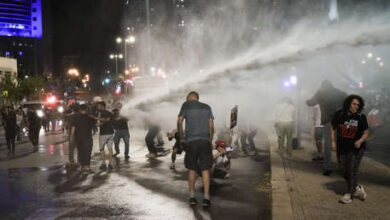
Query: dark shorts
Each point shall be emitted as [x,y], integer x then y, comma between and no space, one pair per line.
[219,173]
[198,155]
[318,133]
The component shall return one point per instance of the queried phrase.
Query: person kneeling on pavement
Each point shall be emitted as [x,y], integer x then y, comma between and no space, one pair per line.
[177,148]
[221,155]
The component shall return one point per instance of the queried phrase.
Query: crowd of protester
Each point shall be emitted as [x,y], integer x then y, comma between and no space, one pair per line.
[338,123]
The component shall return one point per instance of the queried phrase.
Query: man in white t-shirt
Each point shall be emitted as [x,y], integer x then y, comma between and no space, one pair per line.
[284,124]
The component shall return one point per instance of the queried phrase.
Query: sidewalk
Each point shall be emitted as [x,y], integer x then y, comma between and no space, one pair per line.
[300,191]
[22,148]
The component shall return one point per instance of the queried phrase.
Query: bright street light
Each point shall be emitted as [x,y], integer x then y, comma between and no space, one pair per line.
[130,39]
[116,56]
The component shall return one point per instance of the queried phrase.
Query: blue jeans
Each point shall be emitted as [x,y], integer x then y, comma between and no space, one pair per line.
[124,134]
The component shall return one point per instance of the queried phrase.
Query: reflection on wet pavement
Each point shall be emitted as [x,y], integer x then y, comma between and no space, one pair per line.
[135,189]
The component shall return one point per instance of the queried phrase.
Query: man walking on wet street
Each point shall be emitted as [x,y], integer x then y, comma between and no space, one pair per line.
[106,134]
[82,126]
[121,132]
[9,119]
[72,145]
[330,100]
[199,131]
[34,125]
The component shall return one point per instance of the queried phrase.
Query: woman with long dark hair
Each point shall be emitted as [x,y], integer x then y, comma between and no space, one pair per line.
[351,128]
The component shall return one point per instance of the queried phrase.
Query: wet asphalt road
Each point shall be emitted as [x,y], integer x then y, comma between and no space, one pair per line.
[138,189]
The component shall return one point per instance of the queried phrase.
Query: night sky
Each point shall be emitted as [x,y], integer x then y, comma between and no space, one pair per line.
[85,28]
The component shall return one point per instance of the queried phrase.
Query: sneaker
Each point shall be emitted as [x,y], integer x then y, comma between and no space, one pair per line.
[151,155]
[206,203]
[103,167]
[345,199]
[327,172]
[116,154]
[360,193]
[193,201]
[172,167]
[110,167]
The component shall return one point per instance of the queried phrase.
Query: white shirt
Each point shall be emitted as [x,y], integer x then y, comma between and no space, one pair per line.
[219,160]
[284,112]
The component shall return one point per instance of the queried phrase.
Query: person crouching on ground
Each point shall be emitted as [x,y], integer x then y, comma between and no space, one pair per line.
[221,161]
[351,128]
[177,148]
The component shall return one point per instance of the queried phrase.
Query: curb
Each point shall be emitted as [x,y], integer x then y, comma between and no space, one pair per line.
[281,201]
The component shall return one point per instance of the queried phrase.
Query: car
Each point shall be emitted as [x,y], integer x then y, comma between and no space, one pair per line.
[38,105]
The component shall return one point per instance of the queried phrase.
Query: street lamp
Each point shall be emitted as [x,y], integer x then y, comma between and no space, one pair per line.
[129,40]
[292,82]
[116,56]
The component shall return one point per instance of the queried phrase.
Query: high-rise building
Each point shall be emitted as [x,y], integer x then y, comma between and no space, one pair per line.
[21,34]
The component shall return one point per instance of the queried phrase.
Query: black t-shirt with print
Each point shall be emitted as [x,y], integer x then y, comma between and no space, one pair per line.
[350,128]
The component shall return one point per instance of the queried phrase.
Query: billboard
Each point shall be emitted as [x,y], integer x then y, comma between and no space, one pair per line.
[21,18]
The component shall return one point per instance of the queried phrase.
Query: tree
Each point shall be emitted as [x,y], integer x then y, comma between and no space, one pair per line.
[8,90]
[31,88]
